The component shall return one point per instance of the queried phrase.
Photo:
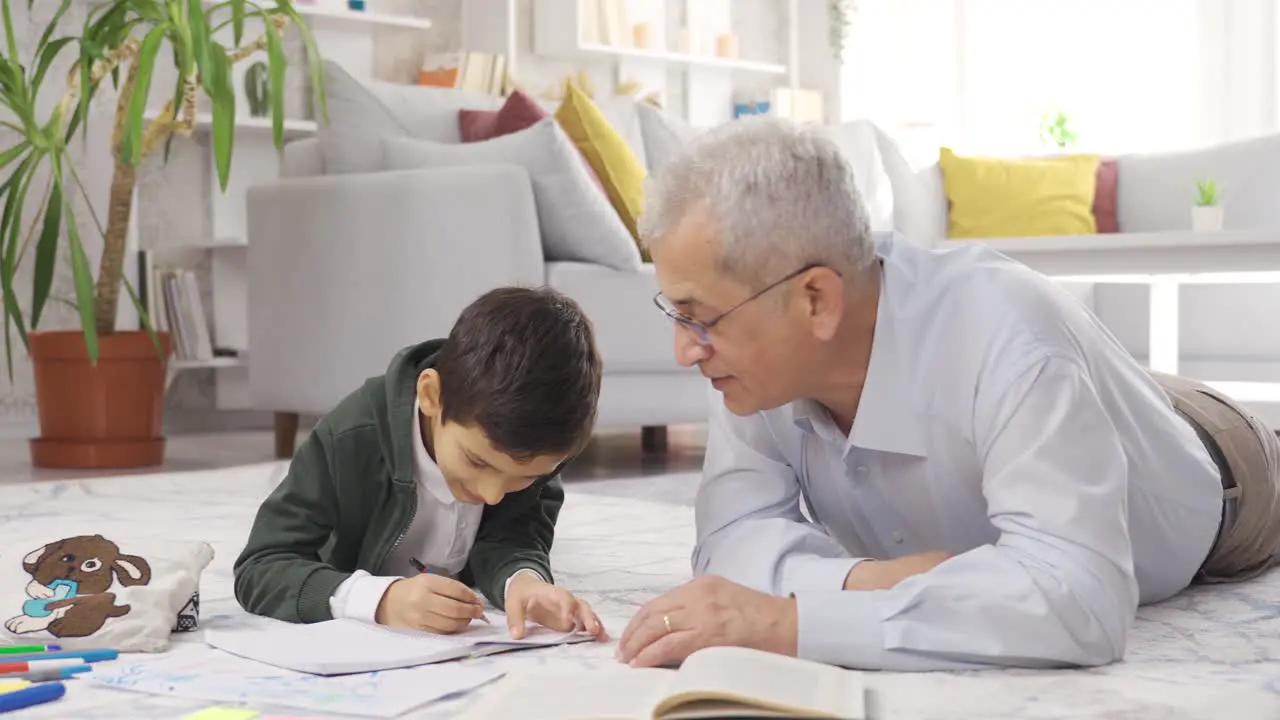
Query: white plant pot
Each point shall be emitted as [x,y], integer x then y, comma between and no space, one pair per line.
[1206,218]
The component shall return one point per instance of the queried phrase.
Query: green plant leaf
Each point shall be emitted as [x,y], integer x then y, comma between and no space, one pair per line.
[46,254]
[47,55]
[8,32]
[237,21]
[276,68]
[132,143]
[198,28]
[49,30]
[142,313]
[84,284]
[223,98]
[315,63]
[15,189]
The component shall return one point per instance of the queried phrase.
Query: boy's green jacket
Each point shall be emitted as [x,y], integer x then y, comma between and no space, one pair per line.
[350,495]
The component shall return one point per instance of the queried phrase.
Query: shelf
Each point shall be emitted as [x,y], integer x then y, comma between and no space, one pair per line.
[1181,254]
[230,243]
[214,363]
[322,18]
[709,62]
[204,122]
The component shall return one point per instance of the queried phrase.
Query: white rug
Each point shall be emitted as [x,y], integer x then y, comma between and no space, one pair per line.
[1212,653]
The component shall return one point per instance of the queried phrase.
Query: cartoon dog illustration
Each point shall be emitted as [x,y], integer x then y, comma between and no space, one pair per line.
[69,583]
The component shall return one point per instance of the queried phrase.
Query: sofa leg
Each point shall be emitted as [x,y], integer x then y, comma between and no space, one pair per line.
[653,438]
[286,434]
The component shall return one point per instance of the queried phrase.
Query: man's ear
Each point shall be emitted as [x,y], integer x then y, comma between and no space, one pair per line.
[824,299]
[429,391]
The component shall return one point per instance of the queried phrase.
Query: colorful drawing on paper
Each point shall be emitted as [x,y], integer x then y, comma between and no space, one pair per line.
[214,676]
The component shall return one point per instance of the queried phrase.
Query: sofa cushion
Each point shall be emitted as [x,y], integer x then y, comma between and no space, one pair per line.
[575,220]
[619,171]
[1157,190]
[999,197]
[517,113]
[621,113]
[858,143]
[664,135]
[360,115]
[632,333]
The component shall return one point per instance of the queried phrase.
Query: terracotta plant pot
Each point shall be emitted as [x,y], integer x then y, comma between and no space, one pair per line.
[106,416]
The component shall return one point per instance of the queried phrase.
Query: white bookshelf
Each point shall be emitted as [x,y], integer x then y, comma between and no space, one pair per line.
[219,245]
[574,30]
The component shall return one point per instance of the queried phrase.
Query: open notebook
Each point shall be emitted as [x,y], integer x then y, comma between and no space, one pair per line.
[342,647]
[717,682]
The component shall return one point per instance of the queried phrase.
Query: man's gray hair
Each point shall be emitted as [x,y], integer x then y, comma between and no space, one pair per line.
[782,196]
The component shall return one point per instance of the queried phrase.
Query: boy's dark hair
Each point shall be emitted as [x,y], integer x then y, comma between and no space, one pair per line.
[522,364]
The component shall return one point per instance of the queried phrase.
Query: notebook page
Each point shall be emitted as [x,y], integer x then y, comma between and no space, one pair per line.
[771,680]
[338,647]
[622,694]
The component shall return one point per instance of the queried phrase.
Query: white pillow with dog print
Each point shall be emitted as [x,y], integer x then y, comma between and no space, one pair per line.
[90,591]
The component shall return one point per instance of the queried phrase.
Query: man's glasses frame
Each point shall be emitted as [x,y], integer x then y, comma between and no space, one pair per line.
[702,330]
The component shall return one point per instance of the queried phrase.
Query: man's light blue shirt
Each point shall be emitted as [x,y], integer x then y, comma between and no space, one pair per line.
[999,421]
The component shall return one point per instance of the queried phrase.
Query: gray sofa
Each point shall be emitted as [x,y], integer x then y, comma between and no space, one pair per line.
[349,261]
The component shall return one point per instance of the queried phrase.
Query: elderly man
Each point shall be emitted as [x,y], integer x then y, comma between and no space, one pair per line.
[924,459]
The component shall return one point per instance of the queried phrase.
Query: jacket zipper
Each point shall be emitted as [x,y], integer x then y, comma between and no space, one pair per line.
[405,531]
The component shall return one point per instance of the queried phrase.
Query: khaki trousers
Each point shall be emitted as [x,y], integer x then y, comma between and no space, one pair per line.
[1248,542]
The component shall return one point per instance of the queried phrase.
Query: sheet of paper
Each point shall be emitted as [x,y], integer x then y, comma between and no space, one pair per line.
[212,676]
[223,713]
[338,647]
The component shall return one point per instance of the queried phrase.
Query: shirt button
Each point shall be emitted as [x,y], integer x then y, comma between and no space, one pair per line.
[897,537]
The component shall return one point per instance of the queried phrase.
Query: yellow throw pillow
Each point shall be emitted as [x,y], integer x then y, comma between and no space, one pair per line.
[996,197]
[618,169]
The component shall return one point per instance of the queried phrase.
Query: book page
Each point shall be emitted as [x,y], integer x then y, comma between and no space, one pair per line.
[622,694]
[799,688]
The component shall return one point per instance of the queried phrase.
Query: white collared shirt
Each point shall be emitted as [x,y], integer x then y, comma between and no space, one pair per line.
[440,536]
[999,421]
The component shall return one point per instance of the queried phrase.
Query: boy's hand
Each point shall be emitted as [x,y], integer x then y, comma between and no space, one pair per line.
[550,606]
[433,603]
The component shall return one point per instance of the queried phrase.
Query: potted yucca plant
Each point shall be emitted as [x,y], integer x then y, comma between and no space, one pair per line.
[100,390]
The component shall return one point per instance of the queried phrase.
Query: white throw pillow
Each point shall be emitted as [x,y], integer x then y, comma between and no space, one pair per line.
[664,136]
[85,590]
[360,115]
[857,141]
[575,219]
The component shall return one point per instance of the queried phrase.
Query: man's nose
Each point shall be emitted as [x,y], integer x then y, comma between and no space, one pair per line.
[689,351]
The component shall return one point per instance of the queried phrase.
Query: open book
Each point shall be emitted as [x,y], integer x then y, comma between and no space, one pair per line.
[342,647]
[717,682]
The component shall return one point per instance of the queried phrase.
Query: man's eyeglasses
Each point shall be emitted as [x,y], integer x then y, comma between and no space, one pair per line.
[702,330]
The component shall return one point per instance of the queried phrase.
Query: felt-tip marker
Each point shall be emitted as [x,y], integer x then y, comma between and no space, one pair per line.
[417,564]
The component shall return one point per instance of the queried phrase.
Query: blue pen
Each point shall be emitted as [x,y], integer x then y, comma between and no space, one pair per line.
[87,656]
[33,695]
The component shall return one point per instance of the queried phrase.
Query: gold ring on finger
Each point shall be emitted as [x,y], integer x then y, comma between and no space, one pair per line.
[666,620]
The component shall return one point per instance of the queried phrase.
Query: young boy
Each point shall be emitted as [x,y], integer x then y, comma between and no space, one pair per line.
[445,467]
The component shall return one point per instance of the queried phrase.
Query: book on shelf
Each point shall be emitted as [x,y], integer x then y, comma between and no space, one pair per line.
[607,22]
[715,682]
[477,72]
[172,301]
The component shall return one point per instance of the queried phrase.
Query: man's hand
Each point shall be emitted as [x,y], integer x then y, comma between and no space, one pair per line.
[529,598]
[884,574]
[704,612]
[433,603]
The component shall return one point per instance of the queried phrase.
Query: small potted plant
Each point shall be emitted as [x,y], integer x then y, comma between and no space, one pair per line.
[1206,216]
[100,389]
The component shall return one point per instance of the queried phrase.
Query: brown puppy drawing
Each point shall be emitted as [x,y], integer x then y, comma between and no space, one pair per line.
[69,586]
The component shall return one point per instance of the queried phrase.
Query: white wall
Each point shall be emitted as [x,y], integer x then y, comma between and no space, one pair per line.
[1229,332]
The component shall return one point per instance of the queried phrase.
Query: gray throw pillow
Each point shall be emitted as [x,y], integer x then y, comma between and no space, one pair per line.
[360,115]
[575,219]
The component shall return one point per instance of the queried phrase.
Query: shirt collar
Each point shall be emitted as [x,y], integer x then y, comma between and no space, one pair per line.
[425,469]
[889,417]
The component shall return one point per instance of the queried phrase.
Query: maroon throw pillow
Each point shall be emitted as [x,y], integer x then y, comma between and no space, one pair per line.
[518,113]
[1104,197]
